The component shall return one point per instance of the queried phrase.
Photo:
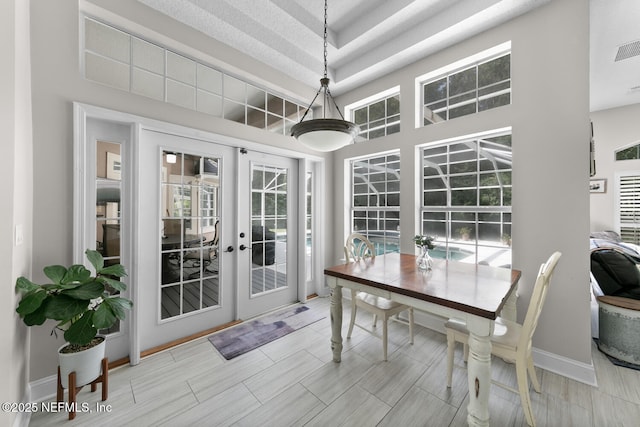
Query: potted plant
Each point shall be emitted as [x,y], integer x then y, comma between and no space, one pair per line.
[506,239]
[82,304]
[464,232]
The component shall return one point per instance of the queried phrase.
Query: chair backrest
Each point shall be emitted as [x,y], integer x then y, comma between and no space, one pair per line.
[358,247]
[537,301]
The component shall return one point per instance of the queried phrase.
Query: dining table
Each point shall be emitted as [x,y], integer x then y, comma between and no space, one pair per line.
[473,293]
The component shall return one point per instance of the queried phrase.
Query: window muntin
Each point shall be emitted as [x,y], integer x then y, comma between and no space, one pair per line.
[378,118]
[482,86]
[375,200]
[466,199]
[126,62]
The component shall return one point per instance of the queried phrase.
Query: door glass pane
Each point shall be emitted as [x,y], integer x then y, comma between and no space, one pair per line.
[108,206]
[269,228]
[190,188]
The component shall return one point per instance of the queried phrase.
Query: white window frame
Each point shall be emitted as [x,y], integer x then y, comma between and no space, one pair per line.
[380,96]
[448,242]
[480,57]
[351,209]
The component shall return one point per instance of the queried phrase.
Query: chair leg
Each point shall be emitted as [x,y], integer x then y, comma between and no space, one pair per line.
[532,374]
[465,352]
[411,325]
[451,346]
[375,320]
[385,323]
[354,308]
[523,389]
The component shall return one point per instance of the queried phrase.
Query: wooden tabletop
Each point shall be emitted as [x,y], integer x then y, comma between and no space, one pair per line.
[477,289]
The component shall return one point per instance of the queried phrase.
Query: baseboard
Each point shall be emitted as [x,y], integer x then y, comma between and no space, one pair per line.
[570,368]
[24,417]
[43,389]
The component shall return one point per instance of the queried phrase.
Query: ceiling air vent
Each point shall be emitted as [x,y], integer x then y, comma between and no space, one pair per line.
[628,50]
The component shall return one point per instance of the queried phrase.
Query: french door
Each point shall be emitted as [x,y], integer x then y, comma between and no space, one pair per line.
[216,235]
[267,227]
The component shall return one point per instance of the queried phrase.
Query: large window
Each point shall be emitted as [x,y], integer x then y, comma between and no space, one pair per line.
[477,87]
[375,200]
[466,199]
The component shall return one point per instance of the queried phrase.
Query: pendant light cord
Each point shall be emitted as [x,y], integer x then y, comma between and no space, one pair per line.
[324,83]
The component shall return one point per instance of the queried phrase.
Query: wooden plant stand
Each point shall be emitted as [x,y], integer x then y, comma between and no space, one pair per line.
[73,390]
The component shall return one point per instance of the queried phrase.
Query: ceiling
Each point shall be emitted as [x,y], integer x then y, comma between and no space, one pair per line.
[370,38]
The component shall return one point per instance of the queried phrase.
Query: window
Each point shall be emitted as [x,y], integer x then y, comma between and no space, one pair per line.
[378,115]
[123,61]
[375,200]
[628,202]
[466,198]
[477,87]
[628,153]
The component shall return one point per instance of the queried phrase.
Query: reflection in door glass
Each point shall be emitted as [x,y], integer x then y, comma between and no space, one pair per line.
[190,188]
[268,228]
[108,206]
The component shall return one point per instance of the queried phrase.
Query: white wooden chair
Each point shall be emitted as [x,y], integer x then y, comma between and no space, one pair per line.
[510,340]
[357,248]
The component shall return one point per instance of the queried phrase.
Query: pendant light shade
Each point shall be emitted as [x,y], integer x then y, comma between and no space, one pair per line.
[325,134]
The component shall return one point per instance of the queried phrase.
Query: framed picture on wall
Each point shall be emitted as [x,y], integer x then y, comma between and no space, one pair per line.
[598,185]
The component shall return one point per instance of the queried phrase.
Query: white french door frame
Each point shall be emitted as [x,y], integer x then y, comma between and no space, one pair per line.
[307,162]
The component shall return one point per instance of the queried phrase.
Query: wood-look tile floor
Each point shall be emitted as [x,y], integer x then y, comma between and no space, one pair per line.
[293,382]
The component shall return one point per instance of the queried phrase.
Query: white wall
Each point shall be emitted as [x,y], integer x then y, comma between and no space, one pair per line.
[16,187]
[613,129]
[549,116]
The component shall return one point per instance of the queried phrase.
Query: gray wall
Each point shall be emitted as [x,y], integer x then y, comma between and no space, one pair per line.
[549,116]
[16,186]
[613,129]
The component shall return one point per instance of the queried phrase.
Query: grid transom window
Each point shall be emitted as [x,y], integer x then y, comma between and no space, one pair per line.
[378,118]
[118,59]
[480,87]
[375,200]
[466,199]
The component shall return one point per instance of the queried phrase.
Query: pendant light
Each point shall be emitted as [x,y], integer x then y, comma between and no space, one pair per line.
[325,134]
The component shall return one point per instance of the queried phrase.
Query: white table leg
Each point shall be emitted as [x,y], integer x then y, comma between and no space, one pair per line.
[336,321]
[479,371]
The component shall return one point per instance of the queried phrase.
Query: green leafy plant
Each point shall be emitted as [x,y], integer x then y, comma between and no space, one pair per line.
[81,303]
[424,241]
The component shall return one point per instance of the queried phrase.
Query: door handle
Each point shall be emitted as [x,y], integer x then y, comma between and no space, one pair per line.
[243,247]
[229,249]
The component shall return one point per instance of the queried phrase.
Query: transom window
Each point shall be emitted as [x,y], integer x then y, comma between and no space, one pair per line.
[466,199]
[375,200]
[628,153]
[484,85]
[379,118]
[126,62]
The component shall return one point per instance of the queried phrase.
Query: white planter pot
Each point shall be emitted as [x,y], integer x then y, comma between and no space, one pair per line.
[86,364]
